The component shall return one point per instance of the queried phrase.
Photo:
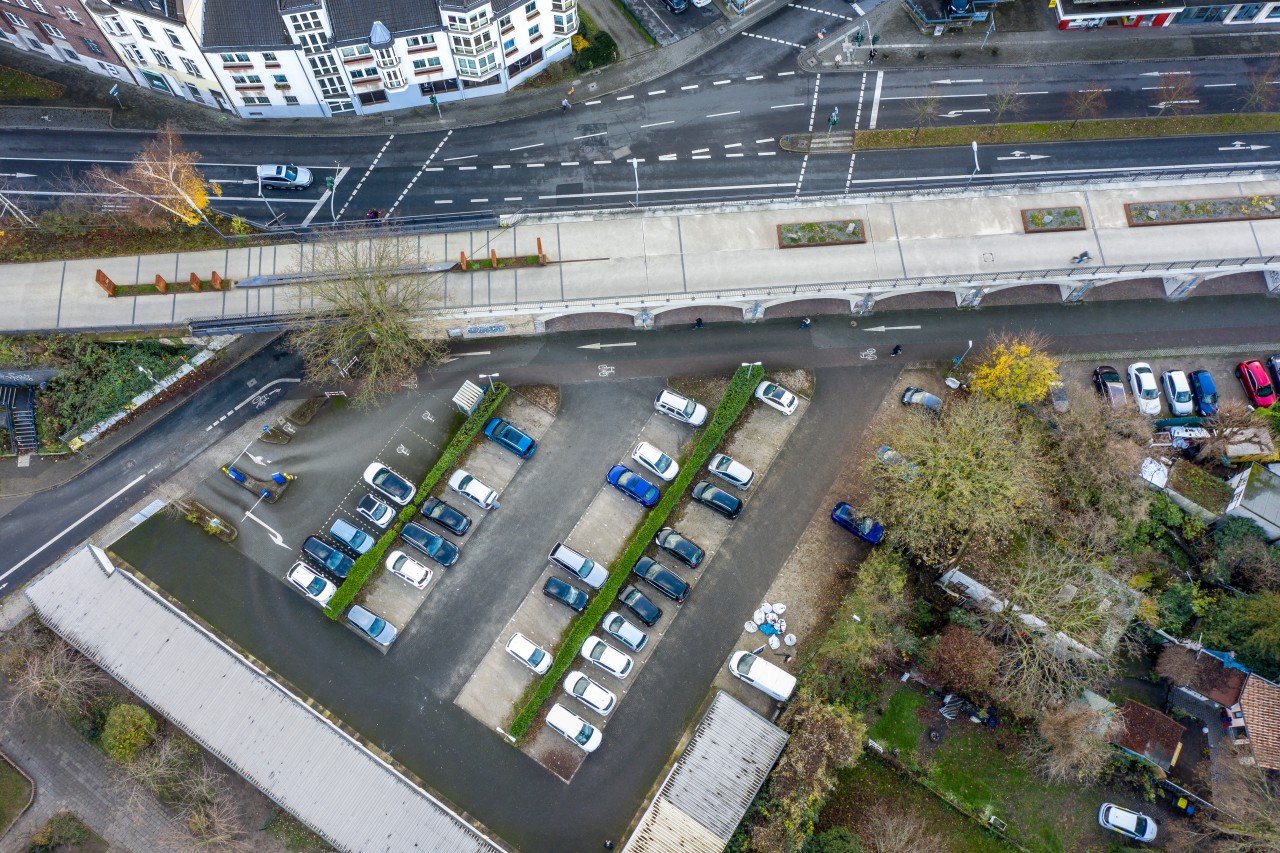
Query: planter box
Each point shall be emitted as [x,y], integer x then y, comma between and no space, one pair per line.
[1231,209]
[1043,220]
[835,232]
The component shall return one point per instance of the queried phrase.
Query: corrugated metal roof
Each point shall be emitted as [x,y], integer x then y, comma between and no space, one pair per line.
[302,761]
[711,786]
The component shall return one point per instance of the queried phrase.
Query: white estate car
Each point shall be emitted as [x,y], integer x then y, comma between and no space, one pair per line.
[574,728]
[1178,392]
[762,675]
[656,461]
[681,408]
[775,396]
[589,693]
[410,570]
[473,490]
[312,585]
[1117,819]
[606,657]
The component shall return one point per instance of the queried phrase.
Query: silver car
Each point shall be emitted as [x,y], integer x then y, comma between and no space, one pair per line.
[731,471]
[371,625]
[351,536]
[617,626]
[589,693]
[606,657]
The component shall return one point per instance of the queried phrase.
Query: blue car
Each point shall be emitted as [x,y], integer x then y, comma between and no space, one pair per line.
[633,485]
[510,437]
[329,559]
[436,547]
[1203,392]
[565,593]
[862,526]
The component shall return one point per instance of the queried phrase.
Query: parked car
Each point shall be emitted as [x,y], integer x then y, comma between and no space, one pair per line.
[436,547]
[353,537]
[278,177]
[313,586]
[586,691]
[769,679]
[573,727]
[662,579]
[473,490]
[913,396]
[681,408]
[1257,386]
[677,7]
[580,566]
[510,437]
[777,397]
[862,526]
[716,499]
[606,657]
[617,626]
[1107,380]
[528,653]
[1178,392]
[565,593]
[891,458]
[1143,383]
[675,544]
[389,483]
[371,625]
[731,471]
[328,558]
[446,515]
[633,485]
[1274,364]
[410,570]
[377,512]
[656,461]
[1139,827]
[639,604]
[1204,392]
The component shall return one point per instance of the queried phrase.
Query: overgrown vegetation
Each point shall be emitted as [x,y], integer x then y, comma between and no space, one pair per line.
[62,830]
[15,84]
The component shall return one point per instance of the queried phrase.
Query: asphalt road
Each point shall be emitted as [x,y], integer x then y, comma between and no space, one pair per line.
[407,708]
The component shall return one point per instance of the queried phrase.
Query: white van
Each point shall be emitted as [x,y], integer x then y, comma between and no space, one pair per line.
[762,675]
[574,727]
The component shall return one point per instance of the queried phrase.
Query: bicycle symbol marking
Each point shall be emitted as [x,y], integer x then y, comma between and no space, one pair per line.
[426,416]
[262,399]
[869,354]
[402,450]
[606,369]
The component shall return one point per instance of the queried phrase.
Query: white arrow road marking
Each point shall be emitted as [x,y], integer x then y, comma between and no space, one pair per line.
[275,537]
[1161,73]
[1240,146]
[25,175]
[1022,155]
[889,328]
[1164,104]
[958,113]
[951,82]
[603,346]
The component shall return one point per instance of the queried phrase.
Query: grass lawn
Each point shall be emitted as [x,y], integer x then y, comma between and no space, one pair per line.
[899,726]
[15,791]
[18,84]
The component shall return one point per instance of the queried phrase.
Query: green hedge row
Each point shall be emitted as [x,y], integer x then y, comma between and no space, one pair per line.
[369,562]
[735,399]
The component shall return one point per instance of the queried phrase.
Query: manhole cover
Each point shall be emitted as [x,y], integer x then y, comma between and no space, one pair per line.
[987,257]
[721,30]
[591,87]
[388,120]
[811,61]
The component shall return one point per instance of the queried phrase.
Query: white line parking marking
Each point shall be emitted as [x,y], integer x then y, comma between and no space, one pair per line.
[467,157]
[568,162]
[534,165]
[523,147]
[590,103]
[721,82]
[502,165]
[735,155]
[765,153]
[702,156]
[785,73]
[479,201]
[444,201]
[467,168]
[701,150]
[762,141]
[662,158]
[756,77]
[733,145]
[602,162]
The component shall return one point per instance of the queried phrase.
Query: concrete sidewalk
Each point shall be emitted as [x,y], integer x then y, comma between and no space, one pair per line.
[638,265]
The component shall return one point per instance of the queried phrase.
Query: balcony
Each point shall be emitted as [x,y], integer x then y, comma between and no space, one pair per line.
[464,50]
[563,5]
[479,74]
[388,62]
[393,83]
[468,26]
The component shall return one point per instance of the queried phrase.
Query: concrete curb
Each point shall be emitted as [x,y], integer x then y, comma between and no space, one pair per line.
[31,799]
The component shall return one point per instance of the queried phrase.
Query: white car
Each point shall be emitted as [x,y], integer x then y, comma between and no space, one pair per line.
[681,408]
[528,653]
[389,483]
[656,461]
[574,727]
[312,585]
[1143,383]
[774,395]
[730,470]
[771,680]
[589,693]
[617,626]
[1178,392]
[1131,824]
[606,657]
[379,513]
[410,570]
[473,490]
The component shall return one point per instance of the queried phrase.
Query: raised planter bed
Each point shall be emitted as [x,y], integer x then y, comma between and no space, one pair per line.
[1195,211]
[834,232]
[1042,220]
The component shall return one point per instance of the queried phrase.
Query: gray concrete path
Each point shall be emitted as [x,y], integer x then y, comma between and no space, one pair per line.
[609,17]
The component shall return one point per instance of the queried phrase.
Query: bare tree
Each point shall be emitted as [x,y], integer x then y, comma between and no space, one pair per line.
[59,676]
[163,767]
[1074,743]
[923,111]
[1177,93]
[900,831]
[1260,94]
[1247,817]
[162,184]
[368,315]
[1086,104]
[1231,424]
[1006,100]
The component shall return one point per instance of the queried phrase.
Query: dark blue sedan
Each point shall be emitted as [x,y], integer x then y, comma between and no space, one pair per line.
[510,437]
[436,547]
[1204,392]
[862,526]
[565,593]
[662,579]
[328,558]
[633,485]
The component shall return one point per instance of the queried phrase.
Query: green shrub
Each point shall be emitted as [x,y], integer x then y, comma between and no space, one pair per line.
[369,562]
[834,840]
[129,729]
[735,399]
[64,828]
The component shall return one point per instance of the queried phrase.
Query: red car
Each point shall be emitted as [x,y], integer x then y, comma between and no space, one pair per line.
[1257,385]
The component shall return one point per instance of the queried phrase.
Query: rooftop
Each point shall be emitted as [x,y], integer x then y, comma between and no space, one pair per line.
[1260,702]
[1150,734]
[1201,672]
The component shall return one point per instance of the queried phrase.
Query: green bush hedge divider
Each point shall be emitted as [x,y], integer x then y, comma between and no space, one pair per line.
[735,399]
[369,562]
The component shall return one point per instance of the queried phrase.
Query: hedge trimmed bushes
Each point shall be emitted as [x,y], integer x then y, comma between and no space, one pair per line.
[369,562]
[735,399]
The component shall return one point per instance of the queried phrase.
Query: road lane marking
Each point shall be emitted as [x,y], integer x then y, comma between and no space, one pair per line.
[875,102]
[657,124]
[736,155]
[939,97]
[702,156]
[479,201]
[434,169]
[444,201]
[721,115]
[785,73]
[590,103]
[467,168]
[662,158]
[467,157]
[777,41]
[73,525]
[784,106]
[1219,85]
[687,88]
[721,82]
[502,165]
[625,97]
[534,165]
[733,145]
[591,135]
[1030,93]
[765,153]
[762,141]
[524,147]
[701,150]
[514,198]
[568,162]
[669,190]
[756,77]
[602,162]
[658,92]
[342,173]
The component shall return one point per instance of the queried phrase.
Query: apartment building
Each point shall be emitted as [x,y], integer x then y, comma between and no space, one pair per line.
[63,33]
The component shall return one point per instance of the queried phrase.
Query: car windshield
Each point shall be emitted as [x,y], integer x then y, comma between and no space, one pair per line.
[290,172]
[1264,390]
[584,734]
[384,479]
[316,586]
[1140,826]
[597,652]
[690,408]
[1211,398]
[1183,396]
[580,687]
[723,463]
[1149,393]
[537,656]
[744,664]
[661,462]
[865,525]
[357,538]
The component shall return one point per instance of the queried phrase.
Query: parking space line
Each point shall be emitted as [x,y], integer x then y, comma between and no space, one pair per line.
[756,77]
[568,162]
[467,168]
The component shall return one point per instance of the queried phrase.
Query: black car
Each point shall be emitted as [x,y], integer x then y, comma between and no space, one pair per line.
[436,547]
[565,593]
[677,6]
[679,547]
[662,579]
[328,558]
[717,499]
[639,604]
[451,519]
[1107,380]
[1274,364]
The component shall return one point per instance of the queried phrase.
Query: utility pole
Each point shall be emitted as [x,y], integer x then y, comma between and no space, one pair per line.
[976,168]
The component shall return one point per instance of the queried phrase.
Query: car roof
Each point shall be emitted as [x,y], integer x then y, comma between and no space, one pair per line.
[1123,818]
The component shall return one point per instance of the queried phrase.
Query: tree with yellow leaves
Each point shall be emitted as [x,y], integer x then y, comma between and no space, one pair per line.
[1016,369]
[162,184]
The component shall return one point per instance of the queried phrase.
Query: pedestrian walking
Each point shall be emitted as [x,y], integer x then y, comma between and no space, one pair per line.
[1081,258]
[872,59]
[806,323]
[608,845]
[564,105]
[897,349]
[697,324]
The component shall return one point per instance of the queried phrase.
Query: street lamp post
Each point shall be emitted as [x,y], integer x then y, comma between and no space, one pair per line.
[976,167]
[147,373]
[490,377]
